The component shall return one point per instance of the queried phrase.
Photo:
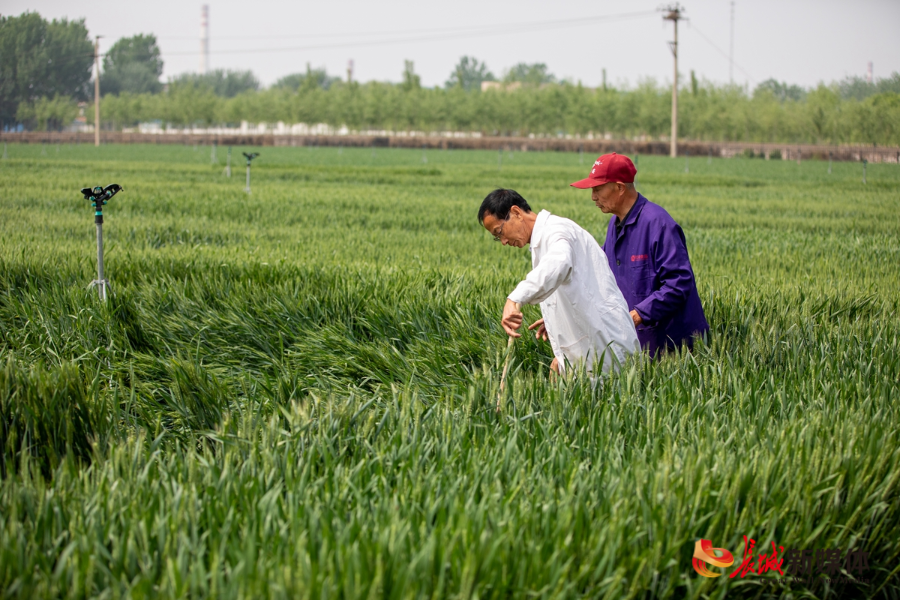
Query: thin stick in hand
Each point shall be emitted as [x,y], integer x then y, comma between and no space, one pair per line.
[509,346]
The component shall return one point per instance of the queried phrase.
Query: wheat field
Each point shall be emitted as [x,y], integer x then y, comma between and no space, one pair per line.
[290,393]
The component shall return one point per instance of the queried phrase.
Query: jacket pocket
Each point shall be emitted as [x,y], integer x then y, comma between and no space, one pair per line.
[642,279]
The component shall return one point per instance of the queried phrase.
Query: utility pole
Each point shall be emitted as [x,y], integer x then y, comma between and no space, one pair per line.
[349,71]
[731,52]
[674,14]
[97,91]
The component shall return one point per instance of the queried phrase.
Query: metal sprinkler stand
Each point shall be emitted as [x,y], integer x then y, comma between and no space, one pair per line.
[98,197]
[249,158]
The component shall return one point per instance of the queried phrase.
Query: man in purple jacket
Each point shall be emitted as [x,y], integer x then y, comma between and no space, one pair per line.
[649,258]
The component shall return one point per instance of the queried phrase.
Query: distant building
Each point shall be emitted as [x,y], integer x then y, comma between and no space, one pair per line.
[499,85]
[80,123]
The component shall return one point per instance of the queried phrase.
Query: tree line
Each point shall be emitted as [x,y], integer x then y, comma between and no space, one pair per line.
[706,111]
[529,99]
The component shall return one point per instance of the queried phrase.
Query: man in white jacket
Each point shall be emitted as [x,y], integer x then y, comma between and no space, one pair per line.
[585,315]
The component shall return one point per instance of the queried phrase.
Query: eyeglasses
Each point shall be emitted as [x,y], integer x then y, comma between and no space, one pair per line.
[500,231]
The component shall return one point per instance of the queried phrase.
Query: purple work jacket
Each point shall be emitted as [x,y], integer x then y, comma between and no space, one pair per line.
[649,259]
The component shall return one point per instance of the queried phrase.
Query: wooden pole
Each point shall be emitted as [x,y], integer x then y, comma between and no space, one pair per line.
[674,15]
[674,145]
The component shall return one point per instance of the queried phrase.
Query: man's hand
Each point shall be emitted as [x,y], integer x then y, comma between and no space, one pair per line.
[541,333]
[512,318]
[636,317]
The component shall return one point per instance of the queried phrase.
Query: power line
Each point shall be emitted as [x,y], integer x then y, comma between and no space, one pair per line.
[722,52]
[467,28]
[437,34]
[452,33]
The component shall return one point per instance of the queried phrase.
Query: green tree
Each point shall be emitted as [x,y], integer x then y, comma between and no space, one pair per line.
[875,120]
[411,81]
[823,114]
[534,74]
[468,74]
[47,113]
[312,78]
[42,60]
[222,83]
[769,116]
[132,65]
[707,111]
[857,88]
[377,106]
[127,110]
[889,84]
[188,105]
[781,91]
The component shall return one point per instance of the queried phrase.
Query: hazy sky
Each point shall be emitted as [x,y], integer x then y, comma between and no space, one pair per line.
[797,41]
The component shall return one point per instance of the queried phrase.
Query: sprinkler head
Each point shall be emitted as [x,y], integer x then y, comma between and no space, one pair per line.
[250,156]
[99,195]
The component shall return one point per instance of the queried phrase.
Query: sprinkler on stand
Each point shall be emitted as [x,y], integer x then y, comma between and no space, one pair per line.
[249,158]
[99,196]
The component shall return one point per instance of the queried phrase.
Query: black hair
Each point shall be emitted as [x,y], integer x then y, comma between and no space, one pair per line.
[499,202]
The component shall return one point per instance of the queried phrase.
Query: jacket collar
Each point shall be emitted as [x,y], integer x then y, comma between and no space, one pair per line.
[632,215]
[538,230]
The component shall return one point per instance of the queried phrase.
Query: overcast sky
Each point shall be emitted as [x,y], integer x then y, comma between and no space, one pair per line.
[796,41]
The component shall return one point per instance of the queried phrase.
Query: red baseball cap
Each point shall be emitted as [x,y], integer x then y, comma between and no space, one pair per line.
[609,167]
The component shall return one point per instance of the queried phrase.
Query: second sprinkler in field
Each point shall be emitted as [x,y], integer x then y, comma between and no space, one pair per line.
[249,157]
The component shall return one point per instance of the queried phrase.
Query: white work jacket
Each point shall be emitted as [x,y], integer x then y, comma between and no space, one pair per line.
[584,312]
